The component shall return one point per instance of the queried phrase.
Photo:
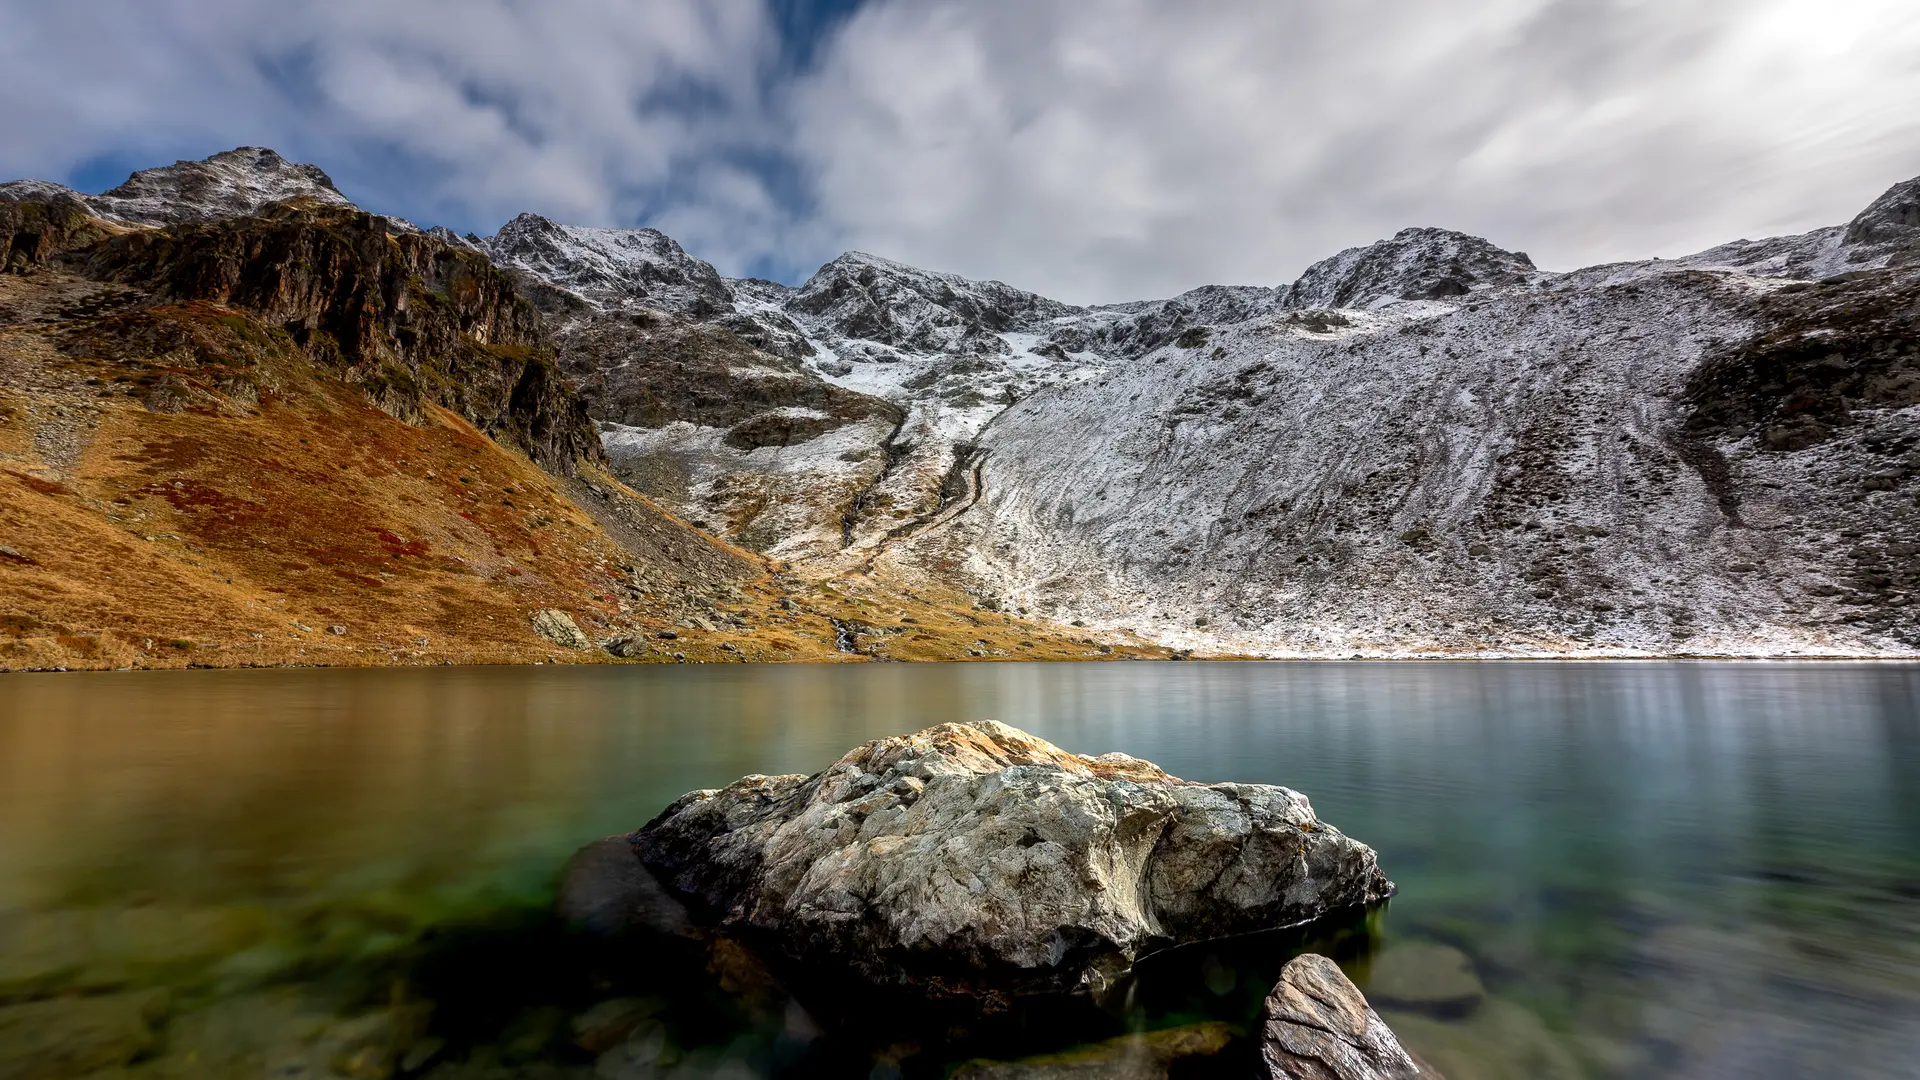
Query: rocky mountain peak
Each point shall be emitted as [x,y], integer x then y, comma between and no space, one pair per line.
[1891,220]
[612,267]
[1417,264]
[232,183]
[863,296]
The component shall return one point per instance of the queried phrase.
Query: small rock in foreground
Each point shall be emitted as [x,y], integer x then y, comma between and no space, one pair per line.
[977,860]
[1317,1026]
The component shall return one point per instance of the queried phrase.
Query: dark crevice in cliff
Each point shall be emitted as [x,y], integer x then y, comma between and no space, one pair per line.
[896,452]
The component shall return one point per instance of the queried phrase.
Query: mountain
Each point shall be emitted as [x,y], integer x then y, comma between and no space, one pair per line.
[1672,457]
[611,268]
[1428,446]
[244,429]
[236,182]
[1423,446]
[860,298]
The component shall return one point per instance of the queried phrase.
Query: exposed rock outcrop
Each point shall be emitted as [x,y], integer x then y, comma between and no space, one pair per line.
[1417,264]
[34,230]
[558,627]
[1317,1026]
[873,299]
[706,376]
[410,318]
[976,860]
[1890,224]
[615,268]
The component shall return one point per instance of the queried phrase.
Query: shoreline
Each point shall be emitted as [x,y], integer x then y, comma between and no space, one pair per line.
[1677,658]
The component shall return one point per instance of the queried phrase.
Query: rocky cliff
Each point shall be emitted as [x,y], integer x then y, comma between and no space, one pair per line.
[409,318]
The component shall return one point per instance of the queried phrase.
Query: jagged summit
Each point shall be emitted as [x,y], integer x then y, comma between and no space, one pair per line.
[612,267]
[228,184]
[1417,264]
[1892,220]
[232,182]
[863,296]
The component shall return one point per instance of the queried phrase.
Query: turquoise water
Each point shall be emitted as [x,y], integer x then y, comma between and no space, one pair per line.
[1635,870]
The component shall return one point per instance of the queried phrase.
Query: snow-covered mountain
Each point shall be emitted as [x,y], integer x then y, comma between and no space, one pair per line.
[611,267]
[1674,456]
[1426,445]
[1417,264]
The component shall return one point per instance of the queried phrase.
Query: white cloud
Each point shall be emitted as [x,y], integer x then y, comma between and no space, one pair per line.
[571,107]
[1090,149]
[1106,149]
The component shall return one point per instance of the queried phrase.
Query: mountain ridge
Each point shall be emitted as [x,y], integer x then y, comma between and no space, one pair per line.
[243,433]
[1421,446]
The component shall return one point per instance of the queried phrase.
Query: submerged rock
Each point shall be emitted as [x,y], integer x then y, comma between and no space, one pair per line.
[1146,1056]
[977,860]
[1427,977]
[1317,1026]
[74,1036]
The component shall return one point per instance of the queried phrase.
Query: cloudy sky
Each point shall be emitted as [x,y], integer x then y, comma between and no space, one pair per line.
[1094,150]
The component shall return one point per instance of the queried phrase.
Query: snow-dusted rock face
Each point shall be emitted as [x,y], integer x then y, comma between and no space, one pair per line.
[229,184]
[1126,331]
[1640,460]
[1417,264]
[885,373]
[862,297]
[703,405]
[1886,233]
[744,442]
[975,858]
[617,268]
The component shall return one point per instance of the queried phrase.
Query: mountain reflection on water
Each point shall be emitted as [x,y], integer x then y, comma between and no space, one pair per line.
[1633,870]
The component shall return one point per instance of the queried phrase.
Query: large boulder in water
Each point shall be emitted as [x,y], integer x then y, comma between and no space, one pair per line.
[977,860]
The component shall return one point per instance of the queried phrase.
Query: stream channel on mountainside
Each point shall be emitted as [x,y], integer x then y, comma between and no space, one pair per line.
[1605,870]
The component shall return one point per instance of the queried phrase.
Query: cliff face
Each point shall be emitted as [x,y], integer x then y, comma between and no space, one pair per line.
[33,231]
[410,318]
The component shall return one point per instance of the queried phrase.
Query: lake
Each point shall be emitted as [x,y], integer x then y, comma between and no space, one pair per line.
[1606,870]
